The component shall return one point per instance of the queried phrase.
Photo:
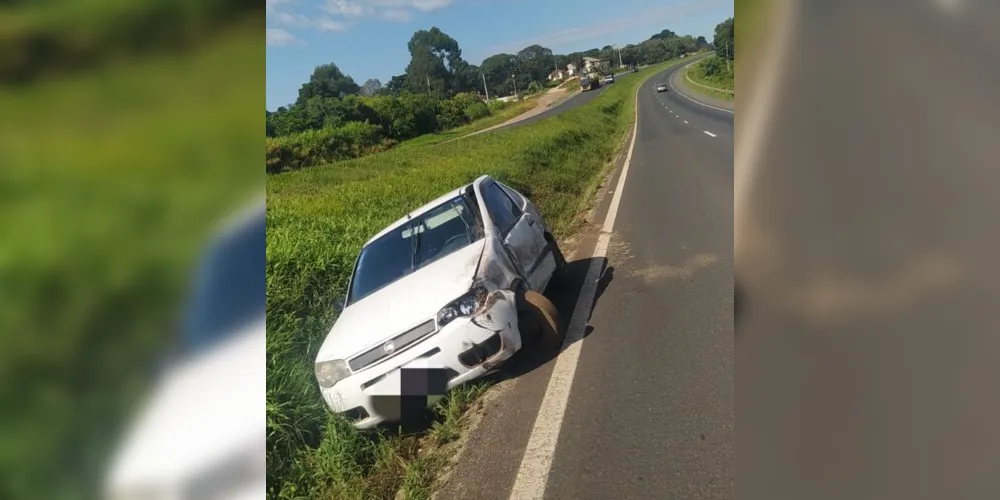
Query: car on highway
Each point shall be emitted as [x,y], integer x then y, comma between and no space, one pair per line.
[661,87]
[609,79]
[440,297]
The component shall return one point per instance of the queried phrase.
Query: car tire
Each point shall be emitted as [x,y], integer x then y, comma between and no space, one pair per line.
[539,322]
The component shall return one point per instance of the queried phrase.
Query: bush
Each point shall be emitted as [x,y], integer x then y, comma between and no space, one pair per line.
[496,105]
[535,88]
[314,147]
[476,111]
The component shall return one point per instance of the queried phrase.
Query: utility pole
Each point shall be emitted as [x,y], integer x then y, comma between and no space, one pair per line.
[485,87]
[514,78]
[619,57]
[428,82]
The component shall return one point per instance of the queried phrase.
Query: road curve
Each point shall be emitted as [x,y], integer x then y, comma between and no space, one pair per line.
[648,408]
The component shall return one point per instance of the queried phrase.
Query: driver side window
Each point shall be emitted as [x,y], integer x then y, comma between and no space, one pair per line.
[502,210]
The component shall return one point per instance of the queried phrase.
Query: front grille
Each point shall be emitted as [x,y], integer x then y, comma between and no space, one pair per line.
[399,343]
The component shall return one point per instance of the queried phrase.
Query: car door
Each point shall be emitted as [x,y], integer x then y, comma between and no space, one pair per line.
[521,233]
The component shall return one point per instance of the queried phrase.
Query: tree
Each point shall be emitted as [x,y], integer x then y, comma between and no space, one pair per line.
[371,87]
[663,35]
[724,38]
[396,84]
[327,81]
[497,69]
[436,64]
[701,43]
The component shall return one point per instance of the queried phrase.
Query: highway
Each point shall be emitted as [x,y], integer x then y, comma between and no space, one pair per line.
[868,355]
[640,404]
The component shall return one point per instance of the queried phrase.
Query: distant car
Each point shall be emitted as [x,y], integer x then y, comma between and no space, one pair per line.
[609,79]
[446,293]
[661,87]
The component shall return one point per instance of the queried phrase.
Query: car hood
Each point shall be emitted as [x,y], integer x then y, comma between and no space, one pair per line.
[406,303]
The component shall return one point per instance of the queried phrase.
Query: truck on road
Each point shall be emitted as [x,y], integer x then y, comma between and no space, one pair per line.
[589,82]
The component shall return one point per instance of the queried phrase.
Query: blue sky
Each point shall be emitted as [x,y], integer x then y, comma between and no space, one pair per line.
[367,38]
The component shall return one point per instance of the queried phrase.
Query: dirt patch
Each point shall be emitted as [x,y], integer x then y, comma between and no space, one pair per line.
[686,270]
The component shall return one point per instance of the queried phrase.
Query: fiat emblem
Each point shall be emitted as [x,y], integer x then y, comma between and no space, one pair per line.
[389,347]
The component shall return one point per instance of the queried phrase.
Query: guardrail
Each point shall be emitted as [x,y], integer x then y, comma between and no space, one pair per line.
[688,78]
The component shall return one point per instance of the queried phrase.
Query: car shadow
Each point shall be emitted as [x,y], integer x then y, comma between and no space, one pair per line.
[564,293]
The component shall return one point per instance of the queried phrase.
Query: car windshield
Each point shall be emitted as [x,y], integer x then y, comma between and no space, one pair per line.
[438,232]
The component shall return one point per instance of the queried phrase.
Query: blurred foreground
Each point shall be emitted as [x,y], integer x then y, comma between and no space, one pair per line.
[867,348]
[129,132]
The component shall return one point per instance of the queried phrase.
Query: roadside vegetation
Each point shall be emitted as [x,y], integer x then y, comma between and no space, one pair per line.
[717,71]
[112,177]
[318,219]
[335,119]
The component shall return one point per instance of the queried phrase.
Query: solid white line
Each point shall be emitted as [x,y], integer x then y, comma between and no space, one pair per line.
[670,81]
[711,134]
[533,473]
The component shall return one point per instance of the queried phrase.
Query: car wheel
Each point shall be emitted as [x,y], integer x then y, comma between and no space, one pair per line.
[538,321]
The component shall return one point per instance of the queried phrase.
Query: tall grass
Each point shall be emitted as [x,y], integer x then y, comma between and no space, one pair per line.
[109,184]
[317,221]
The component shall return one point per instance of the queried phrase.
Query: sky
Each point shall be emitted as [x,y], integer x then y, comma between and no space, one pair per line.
[367,38]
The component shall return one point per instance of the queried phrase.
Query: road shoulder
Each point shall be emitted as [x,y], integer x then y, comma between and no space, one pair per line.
[487,464]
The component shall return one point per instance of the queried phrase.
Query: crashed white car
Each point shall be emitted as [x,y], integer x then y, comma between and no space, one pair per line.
[440,297]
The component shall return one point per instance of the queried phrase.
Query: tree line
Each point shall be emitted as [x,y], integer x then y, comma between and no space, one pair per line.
[334,117]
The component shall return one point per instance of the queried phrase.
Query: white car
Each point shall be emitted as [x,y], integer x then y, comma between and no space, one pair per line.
[661,87]
[201,432]
[442,296]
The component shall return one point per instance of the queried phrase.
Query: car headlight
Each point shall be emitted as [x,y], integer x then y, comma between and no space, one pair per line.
[328,373]
[466,305]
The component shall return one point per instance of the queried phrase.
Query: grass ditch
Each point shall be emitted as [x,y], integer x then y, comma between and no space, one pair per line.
[317,221]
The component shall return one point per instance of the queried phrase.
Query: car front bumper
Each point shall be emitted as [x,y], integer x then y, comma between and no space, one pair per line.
[465,349]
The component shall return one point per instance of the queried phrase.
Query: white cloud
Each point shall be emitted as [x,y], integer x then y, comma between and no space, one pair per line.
[397,15]
[346,8]
[327,24]
[271,5]
[280,38]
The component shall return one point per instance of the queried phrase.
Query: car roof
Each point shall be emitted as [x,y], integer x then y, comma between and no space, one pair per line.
[426,207]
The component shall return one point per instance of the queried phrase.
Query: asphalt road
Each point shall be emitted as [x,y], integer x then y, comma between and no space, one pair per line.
[578,100]
[650,411]
[869,353]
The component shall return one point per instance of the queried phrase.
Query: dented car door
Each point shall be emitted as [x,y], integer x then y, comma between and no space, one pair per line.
[521,232]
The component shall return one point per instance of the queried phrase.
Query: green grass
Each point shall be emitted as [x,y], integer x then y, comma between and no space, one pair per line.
[724,80]
[318,219]
[109,184]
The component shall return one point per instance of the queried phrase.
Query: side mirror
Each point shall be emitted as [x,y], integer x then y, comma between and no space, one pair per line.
[339,304]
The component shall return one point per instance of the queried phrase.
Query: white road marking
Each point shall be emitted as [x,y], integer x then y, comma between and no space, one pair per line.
[711,134]
[685,121]
[533,473]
